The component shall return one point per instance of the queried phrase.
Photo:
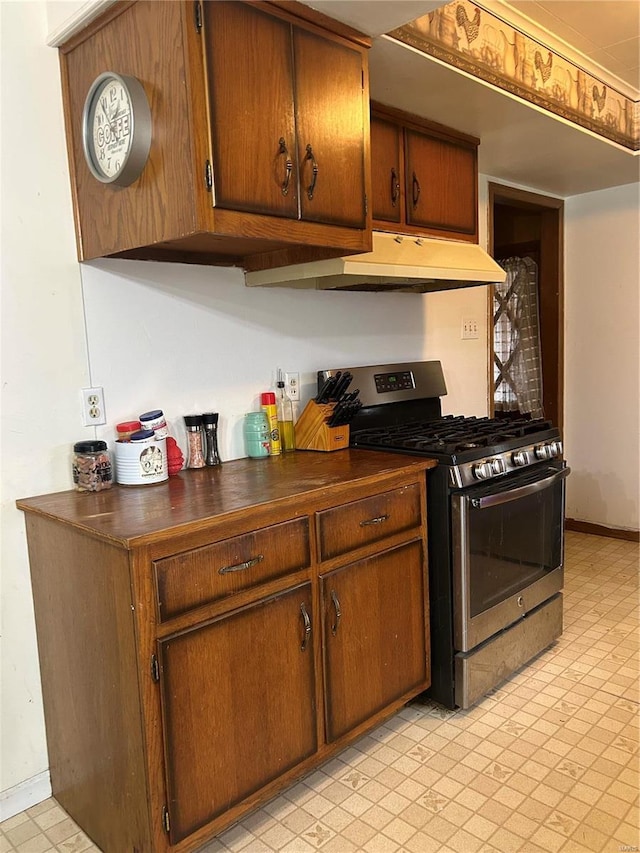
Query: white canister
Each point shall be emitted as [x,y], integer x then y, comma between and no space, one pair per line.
[141,464]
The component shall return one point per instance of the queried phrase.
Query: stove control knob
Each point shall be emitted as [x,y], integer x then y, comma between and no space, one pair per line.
[520,458]
[543,451]
[497,466]
[482,470]
[555,449]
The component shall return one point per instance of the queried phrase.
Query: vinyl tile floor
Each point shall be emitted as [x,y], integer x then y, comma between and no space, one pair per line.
[546,763]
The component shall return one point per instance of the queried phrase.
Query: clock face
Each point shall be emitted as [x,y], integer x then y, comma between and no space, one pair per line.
[111,128]
[116,129]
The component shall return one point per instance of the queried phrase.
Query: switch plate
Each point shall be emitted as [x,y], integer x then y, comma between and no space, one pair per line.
[469,329]
[93,411]
[292,385]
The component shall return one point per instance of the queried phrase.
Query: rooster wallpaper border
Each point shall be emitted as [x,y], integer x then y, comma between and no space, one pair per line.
[468,37]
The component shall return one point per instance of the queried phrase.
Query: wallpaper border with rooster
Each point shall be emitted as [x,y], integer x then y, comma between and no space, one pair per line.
[468,37]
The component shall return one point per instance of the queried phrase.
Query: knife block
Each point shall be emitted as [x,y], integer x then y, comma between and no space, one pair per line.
[312,432]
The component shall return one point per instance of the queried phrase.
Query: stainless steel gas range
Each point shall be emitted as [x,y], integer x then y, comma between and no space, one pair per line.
[495,515]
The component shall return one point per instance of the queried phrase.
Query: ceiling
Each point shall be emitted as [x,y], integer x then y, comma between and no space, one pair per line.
[520,144]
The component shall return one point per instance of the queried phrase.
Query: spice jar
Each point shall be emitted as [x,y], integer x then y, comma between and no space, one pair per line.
[92,471]
[257,435]
[155,421]
[195,450]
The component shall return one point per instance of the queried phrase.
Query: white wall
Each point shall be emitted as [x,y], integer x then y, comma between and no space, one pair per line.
[44,359]
[179,337]
[602,356]
[190,339]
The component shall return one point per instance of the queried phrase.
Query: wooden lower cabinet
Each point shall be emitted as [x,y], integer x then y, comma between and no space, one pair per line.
[206,641]
[238,706]
[375,648]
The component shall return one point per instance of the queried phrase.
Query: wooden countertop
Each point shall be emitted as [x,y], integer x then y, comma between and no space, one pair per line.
[130,516]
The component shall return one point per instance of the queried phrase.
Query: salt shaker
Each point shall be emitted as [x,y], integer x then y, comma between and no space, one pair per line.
[195,455]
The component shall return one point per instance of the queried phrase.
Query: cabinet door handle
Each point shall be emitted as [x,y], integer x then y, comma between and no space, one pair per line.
[307,627]
[377,520]
[312,186]
[336,605]
[395,187]
[288,166]
[240,567]
[415,190]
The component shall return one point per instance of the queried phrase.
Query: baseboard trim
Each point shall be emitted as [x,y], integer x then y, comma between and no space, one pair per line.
[26,794]
[601,530]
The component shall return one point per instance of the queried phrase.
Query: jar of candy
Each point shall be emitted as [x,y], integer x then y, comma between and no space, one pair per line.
[92,470]
[257,435]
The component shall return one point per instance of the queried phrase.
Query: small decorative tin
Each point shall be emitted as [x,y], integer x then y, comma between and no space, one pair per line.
[141,463]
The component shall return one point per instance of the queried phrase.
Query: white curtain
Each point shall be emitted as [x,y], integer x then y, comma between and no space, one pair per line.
[516,340]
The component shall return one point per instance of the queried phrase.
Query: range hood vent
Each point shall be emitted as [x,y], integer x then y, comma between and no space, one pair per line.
[397,263]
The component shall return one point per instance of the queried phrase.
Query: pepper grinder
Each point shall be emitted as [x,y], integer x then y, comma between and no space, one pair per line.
[210,424]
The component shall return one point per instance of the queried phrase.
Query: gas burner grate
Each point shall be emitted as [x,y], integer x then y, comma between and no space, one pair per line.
[450,434]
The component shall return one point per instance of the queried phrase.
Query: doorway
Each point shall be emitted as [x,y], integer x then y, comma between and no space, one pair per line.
[528,225]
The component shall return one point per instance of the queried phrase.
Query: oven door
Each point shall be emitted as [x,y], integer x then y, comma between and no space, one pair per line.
[508,550]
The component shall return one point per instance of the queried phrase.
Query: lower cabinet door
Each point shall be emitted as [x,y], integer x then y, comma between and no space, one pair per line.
[375,635]
[238,705]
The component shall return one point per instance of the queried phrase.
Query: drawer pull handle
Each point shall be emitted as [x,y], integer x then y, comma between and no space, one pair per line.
[240,567]
[377,520]
[336,604]
[307,628]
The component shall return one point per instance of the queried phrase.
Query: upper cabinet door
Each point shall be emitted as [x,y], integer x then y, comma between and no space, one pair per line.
[387,189]
[440,184]
[330,119]
[251,95]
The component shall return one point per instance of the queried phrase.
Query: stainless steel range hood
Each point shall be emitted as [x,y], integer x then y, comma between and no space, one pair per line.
[397,263]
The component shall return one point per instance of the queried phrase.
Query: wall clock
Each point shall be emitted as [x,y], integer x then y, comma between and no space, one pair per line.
[116,128]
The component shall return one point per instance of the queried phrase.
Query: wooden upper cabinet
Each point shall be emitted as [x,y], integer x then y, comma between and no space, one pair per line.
[331,145]
[238,706]
[387,191]
[251,88]
[287,118]
[259,150]
[440,184]
[424,176]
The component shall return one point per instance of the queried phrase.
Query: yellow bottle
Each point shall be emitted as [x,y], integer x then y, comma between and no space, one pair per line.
[268,401]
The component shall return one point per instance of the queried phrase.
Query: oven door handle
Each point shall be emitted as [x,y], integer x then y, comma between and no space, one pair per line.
[519,492]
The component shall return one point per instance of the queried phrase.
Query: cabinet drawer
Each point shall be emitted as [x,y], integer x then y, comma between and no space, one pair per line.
[204,575]
[350,526]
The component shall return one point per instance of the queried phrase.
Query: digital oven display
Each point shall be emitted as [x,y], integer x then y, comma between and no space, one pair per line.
[401,381]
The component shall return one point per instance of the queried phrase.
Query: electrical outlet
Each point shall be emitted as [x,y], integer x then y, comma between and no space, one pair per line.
[469,329]
[292,385]
[93,411]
